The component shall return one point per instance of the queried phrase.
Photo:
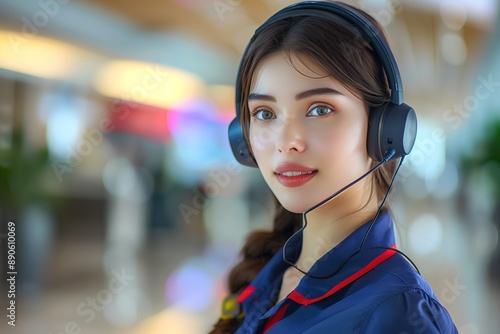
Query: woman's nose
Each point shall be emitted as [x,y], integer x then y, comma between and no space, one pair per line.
[291,137]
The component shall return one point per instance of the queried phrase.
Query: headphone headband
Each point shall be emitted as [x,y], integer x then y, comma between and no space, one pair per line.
[391,127]
[324,9]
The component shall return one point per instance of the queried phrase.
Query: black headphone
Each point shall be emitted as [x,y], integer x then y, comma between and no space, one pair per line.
[391,127]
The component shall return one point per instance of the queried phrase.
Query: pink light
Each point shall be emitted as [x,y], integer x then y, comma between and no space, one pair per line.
[190,287]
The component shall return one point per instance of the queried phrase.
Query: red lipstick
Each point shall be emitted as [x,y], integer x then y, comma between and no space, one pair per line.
[294,175]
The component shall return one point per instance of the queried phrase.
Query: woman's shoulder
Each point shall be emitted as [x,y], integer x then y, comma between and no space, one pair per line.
[405,302]
[411,311]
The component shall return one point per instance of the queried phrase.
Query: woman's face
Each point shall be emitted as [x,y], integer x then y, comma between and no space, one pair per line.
[307,133]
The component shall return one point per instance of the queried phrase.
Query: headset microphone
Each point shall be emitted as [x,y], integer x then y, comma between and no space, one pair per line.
[388,156]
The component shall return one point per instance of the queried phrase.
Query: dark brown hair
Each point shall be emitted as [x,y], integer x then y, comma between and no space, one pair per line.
[343,53]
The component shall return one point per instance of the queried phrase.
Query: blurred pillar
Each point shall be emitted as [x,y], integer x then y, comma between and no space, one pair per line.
[126,230]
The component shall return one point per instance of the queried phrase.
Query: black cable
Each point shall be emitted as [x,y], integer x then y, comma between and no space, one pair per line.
[304,217]
[405,256]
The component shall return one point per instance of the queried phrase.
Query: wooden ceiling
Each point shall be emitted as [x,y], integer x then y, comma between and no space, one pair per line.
[225,24]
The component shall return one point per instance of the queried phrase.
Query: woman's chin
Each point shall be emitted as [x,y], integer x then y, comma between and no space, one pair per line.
[296,206]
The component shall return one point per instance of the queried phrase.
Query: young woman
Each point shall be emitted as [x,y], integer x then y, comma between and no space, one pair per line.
[320,112]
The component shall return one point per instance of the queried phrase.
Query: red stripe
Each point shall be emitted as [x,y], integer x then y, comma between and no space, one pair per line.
[275,318]
[297,297]
[247,292]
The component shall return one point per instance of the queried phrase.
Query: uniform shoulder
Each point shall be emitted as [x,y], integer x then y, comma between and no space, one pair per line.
[412,311]
[407,304]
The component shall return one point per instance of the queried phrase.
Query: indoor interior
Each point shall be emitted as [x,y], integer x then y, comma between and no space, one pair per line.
[128,205]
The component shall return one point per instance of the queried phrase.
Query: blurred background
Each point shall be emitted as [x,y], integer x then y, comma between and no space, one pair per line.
[129,207]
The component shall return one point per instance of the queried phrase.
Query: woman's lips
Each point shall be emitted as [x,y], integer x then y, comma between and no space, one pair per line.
[294,175]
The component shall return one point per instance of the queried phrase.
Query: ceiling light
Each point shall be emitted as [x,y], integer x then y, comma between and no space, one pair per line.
[147,83]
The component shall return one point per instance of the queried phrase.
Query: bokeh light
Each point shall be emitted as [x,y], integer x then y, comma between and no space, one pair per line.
[425,234]
[190,287]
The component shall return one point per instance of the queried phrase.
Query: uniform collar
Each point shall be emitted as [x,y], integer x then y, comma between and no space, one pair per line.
[311,290]
[265,286]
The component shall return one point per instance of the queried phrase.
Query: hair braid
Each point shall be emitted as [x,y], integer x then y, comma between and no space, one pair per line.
[257,251]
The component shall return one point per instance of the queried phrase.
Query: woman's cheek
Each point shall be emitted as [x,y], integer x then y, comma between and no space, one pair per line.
[260,138]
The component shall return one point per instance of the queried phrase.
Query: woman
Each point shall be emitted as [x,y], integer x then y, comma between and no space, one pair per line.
[309,85]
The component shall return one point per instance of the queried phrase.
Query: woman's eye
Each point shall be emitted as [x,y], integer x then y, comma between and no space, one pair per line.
[320,111]
[263,114]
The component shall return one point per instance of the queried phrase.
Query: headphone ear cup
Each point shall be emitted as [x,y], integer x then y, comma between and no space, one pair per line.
[239,145]
[391,126]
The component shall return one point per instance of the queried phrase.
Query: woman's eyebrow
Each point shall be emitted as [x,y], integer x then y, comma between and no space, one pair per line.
[317,91]
[299,96]
[263,97]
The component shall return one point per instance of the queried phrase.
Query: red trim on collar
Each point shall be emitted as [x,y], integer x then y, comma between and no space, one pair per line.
[247,292]
[275,318]
[298,298]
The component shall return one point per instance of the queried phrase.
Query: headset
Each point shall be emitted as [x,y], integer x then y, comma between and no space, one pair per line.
[392,127]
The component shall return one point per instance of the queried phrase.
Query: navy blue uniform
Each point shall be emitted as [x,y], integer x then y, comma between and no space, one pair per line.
[377,291]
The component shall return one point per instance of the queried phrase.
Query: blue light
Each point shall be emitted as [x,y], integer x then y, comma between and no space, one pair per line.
[190,287]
